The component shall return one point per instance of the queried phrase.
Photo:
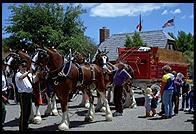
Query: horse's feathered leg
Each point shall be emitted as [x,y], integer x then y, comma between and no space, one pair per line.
[100,106]
[108,111]
[85,100]
[48,109]
[37,119]
[65,117]
[54,105]
[91,110]
[64,122]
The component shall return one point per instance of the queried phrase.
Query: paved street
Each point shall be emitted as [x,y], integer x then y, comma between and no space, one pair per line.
[132,120]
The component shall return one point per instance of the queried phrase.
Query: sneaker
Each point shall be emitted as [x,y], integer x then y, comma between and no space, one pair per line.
[186,110]
[117,114]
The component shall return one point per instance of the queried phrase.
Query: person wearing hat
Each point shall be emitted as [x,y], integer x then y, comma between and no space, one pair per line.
[167,87]
[176,94]
[25,89]
[120,77]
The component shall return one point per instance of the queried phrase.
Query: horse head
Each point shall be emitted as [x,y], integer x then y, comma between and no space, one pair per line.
[40,59]
[12,61]
[78,57]
[49,58]
[101,59]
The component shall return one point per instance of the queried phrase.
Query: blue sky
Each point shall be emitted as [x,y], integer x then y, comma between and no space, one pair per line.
[124,17]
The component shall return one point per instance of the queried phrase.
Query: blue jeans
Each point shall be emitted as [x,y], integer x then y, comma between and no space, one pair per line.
[167,101]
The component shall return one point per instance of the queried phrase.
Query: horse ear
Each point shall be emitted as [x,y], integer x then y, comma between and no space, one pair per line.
[107,51]
[99,51]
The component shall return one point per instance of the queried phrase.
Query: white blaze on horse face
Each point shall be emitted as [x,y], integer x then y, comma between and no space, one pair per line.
[35,58]
[10,61]
[104,62]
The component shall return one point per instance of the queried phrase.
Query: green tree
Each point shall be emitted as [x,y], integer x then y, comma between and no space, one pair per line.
[128,41]
[184,41]
[134,41]
[185,44]
[47,24]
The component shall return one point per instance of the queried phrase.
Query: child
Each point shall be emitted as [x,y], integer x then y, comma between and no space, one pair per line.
[148,99]
[154,101]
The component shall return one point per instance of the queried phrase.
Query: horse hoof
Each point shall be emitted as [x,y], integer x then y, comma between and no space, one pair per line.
[87,105]
[88,119]
[109,117]
[54,112]
[63,127]
[37,120]
[103,109]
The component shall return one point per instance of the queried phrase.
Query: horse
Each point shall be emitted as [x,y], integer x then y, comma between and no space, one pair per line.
[63,73]
[129,99]
[12,61]
[78,58]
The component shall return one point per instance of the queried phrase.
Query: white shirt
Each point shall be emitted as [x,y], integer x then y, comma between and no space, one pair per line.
[23,85]
[4,85]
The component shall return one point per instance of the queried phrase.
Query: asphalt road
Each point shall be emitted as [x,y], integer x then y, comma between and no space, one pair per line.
[132,120]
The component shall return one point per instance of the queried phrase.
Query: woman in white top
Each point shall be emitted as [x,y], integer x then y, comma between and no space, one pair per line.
[25,94]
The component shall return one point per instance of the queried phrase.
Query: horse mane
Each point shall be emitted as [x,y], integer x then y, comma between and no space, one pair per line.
[25,57]
[56,59]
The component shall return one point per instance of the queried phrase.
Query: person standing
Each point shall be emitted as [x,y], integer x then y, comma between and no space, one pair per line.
[176,93]
[185,97]
[148,99]
[120,77]
[25,94]
[4,98]
[167,87]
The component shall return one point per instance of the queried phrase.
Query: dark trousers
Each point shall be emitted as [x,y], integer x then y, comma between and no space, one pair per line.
[3,114]
[118,98]
[175,100]
[25,106]
[185,99]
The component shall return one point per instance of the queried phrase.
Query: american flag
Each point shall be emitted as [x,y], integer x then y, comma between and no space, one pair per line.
[169,23]
[139,26]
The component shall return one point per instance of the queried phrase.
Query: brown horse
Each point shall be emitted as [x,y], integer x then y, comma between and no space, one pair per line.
[63,73]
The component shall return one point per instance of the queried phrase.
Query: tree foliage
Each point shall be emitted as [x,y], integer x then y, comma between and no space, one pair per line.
[134,41]
[185,44]
[48,24]
[185,41]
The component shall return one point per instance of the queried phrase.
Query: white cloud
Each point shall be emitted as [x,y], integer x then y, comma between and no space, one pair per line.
[164,12]
[177,11]
[89,5]
[126,9]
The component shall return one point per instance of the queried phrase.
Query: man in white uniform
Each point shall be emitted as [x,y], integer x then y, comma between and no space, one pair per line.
[25,95]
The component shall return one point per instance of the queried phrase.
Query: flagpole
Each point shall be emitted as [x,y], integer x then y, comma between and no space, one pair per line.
[174,25]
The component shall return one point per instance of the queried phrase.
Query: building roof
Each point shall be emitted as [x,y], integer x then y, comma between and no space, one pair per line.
[156,38]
